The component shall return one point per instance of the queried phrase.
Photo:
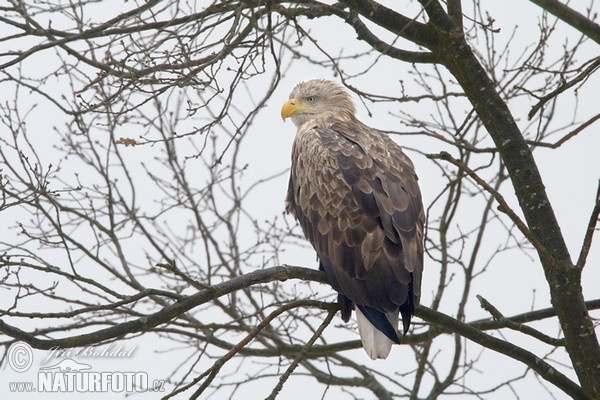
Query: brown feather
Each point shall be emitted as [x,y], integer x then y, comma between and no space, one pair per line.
[357,199]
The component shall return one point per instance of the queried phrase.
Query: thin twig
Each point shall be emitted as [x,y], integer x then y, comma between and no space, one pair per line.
[212,372]
[169,312]
[568,136]
[301,355]
[545,370]
[589,234]
[502,204]
[498,316]
[587,72]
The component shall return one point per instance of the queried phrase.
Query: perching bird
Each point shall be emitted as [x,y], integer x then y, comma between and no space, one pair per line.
[356,196]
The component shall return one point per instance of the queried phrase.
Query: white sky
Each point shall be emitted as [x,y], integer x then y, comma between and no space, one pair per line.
[514,284]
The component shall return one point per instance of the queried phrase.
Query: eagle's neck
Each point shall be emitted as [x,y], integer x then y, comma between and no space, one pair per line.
[327,120]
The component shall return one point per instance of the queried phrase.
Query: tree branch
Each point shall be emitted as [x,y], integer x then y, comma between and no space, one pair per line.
[571,17]
[544,369]
[301,354]
[564,279]
[502,204]
[589,234]
[170,312]
[566,137]
[408,56]
[397,23]
[455,11]
[489,307]
[579,78]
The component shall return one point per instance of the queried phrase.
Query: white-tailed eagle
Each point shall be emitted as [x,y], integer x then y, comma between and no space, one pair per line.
[355,194]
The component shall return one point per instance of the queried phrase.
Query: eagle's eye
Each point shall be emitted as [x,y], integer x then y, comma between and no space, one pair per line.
[311,99]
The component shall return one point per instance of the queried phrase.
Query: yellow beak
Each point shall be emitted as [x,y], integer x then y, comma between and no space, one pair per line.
[292,107]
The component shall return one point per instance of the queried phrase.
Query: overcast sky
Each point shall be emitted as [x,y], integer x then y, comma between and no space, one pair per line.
[570,174]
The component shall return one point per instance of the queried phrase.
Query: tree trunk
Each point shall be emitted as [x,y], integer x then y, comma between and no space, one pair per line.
[563,277]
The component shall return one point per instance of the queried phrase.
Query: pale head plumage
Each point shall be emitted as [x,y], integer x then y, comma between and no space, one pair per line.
[319,99]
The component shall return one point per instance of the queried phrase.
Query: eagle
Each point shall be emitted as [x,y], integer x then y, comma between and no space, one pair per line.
[356,196]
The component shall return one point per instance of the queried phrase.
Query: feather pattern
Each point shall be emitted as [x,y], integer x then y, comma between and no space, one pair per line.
[356,196]
[376,343]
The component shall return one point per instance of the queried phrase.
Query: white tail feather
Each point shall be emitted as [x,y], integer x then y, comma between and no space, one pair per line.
[375,343]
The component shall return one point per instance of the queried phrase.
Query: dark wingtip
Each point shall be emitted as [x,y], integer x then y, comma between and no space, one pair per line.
[406,317]
[407,310]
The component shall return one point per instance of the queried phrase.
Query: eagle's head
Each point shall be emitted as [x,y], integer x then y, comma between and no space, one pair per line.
[318,99]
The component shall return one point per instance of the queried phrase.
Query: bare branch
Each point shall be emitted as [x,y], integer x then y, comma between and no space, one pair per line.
[502,204]
[486,305]
[567,85]
[571,17]
[589,233]
[531,360]
[169,312]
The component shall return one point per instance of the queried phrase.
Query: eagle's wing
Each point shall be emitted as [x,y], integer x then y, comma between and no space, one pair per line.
[356,196]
